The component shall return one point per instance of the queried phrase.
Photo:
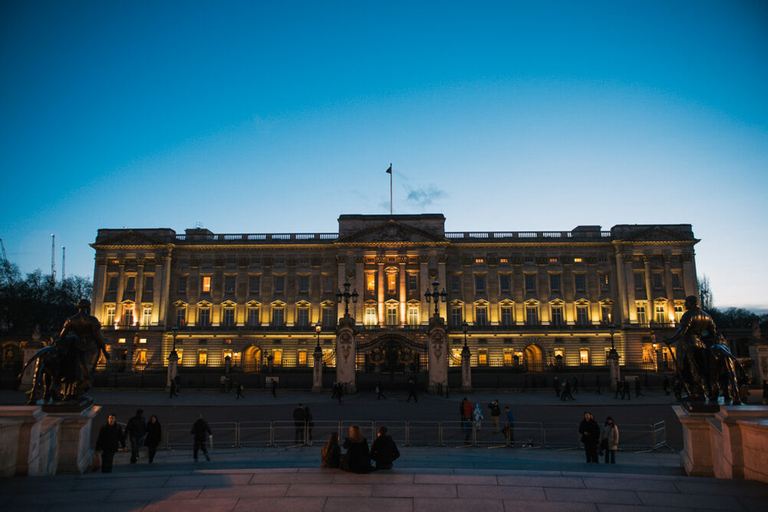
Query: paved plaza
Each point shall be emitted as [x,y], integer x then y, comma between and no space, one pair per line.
[465,479]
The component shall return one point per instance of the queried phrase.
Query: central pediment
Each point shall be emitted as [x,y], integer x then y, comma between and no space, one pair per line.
[389,231]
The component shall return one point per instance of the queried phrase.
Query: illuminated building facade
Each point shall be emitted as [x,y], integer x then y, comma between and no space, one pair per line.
[530,300]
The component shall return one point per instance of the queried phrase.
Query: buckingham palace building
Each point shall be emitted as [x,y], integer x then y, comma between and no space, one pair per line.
[521,302]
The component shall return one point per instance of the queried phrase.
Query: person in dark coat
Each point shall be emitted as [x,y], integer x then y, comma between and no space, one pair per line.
[330,455]
[154,436]
[412,390]
[590,436]
[201,431]
[357,458]
[309,424]
[384,450]
[495,414]
[135,430]
[299,424]
[109,439]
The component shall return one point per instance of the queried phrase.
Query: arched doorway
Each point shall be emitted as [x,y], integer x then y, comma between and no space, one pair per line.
[392,356]
[252,359]
[533,359]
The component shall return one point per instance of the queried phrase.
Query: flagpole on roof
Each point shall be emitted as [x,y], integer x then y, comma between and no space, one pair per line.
[389,171]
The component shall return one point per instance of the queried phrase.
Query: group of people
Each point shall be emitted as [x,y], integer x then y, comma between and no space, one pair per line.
[138,432]
[226,384]
[567,387]
[472,418]
[597,440]
[357,457]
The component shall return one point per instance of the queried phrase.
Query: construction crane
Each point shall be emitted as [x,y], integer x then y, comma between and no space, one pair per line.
[53,258]
[5,256]
[63,262]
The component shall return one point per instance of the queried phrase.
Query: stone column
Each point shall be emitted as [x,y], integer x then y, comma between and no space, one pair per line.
[437,346]
[345,354]
[466,370]
[317,371]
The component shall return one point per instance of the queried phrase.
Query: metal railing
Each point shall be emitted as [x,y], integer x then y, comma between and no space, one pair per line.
[552,435]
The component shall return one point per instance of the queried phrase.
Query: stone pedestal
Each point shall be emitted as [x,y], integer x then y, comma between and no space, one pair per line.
[49,445]
[173,368]
[9,445]
[75,452]
[317,370]
[466,370]
[438,355]
[613,365]
[345,354]
[28,451]
[731,443]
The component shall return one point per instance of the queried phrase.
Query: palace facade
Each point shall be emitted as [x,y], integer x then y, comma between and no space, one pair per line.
[519,300]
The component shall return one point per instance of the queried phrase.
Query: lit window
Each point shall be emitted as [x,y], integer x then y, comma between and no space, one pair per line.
[584,356]
[301,360]
[202,357]
[578,260]
[482,357]
[277,357]
[554,260]
[413,315]
[121,340]
[206,284]
[641,318]
[479,260]
[504,260]
[370,316]
[181,316]
[678,313]
[110,315]
[143,341]
[391,315]
[508,358]
[661,314]
[370,282]
[392,282]
[142,356]
[146,315]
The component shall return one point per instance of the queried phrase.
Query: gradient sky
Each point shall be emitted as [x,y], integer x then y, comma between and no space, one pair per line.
[253,117]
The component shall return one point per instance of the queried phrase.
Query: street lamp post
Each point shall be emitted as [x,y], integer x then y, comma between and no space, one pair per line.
[173,358]
[317,370]
[613,360]
[435,296]
[466,369]
[346,296]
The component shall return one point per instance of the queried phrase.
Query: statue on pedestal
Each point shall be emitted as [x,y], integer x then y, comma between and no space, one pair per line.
[705,365]
[64,368]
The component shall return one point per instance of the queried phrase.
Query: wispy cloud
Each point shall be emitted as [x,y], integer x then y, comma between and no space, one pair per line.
[424,196]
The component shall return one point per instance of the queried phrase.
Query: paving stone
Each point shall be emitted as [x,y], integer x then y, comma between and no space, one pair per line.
[457,505]
[696,501]
[500,492]
[214,505]
[308,504]
[330,490]
[244,491]
[223,480]
[415,490]
[541,481]
[156,494]
[630,483]
[592,496]
[343,504]
[131,482]
[549,506]
[456,479]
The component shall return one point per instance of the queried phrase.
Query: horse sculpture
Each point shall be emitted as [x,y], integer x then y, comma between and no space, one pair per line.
[57,375]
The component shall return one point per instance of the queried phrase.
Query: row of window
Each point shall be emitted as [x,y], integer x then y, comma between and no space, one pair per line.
[657,280]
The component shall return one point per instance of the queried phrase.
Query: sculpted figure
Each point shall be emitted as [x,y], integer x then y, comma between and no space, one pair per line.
[80,342]
[696,332]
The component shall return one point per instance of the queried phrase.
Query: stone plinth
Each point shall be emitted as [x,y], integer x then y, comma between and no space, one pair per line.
[28,450]
[346,347]
[49,445]
[75,452]
[9,445]
[438,356]
[731,443]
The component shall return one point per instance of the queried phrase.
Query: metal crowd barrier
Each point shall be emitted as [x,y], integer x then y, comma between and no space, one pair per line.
[652,437]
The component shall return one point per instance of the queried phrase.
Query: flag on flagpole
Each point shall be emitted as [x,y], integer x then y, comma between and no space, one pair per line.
[389,171]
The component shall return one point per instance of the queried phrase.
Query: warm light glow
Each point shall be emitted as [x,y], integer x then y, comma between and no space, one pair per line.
[206,284]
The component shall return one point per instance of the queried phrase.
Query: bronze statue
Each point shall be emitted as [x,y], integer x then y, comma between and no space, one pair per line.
[63,369]
[705,366]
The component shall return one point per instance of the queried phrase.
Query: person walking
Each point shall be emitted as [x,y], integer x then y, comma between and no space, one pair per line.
[495,413]
[384,450]
[135,430]
[110,438]
[412,390]
[477,416]
[173,391]
[357,458]
[625,390]
[274,388]
[223,384]
[665,385]
[557,386]
[609,440]
[379,392]
[239,387]
[637,389]
[590,436]
[509,425]
[299,424]
[201,431]
[308,424]
[468,408]
[566,394]
[154,436]
[330,455]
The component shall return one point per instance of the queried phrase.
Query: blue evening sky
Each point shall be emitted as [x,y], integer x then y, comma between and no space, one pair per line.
[253,117]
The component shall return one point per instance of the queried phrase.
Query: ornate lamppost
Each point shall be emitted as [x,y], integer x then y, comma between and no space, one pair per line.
[435,296]
[466,370]
[613,359]
[346,296]
[173,358]
[317,371]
